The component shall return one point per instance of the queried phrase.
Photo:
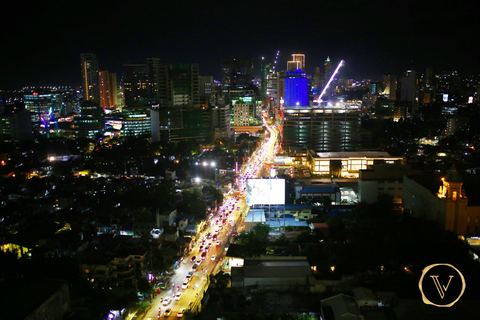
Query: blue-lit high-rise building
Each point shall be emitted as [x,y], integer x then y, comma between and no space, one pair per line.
[296,89]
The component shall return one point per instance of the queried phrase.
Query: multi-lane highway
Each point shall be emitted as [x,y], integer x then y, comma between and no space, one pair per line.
[190,280]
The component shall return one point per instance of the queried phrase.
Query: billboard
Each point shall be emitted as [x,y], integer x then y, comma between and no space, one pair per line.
[265,191]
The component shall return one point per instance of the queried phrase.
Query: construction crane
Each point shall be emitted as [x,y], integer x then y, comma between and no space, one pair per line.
[330,80]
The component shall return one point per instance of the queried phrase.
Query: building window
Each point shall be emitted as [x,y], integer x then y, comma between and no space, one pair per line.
[468,219]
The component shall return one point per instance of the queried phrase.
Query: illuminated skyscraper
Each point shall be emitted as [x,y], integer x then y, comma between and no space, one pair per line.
[297,63]
[90,120]
[293,88]
[328,70]
[324,128]
[108,89]
[89,67]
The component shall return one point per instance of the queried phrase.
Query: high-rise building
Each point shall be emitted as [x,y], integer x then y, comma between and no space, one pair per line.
[297,62]
[161,83]
[15,124]
[237,77]
[220,120]
[136,121]
[325,128]
[89,69]
[135,84]
[317,77]
[246,111]
[327,65]
[179,123]
[108,89]
[90,120]
[293,88]
[206,87]
[409,90]
[184,79]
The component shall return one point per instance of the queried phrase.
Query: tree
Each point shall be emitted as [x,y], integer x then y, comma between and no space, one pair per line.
[220,281]
[255,241]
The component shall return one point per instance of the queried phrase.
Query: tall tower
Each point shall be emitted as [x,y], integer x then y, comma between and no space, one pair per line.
[328,70]
[89,67]
[108,89]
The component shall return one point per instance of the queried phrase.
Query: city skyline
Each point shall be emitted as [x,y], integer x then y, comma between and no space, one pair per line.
[44,41]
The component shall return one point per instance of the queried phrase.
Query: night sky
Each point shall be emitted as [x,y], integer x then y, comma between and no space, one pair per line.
[41,41]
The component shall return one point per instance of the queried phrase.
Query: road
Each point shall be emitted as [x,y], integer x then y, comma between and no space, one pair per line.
[231,213]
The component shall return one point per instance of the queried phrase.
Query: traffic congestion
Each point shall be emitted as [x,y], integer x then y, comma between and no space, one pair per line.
[190,279]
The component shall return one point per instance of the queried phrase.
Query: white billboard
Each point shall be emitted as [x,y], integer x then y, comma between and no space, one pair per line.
[265,191]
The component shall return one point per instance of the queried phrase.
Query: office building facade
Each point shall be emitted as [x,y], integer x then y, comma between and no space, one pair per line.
[324,128]
[90,77]
[90,120]
[108,90]
[237,77]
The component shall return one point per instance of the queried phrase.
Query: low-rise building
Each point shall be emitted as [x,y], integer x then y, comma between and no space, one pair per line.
[382,179]
[443,200]
[273,273]
[341,306]
[349,163]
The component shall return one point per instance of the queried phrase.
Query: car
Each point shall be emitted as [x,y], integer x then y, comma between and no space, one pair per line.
[166,301]
[204,255]
[194,267]
[218,242]
[214,257]
[180,312]
[207,249]
[200,249]
[188,278]
[190,273]
[193,258]
[185,284]
[178,296]
[198,261]
[209,244]
[167,312]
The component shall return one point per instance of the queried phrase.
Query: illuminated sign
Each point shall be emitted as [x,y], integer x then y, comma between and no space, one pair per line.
[445,97]
[265,191]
